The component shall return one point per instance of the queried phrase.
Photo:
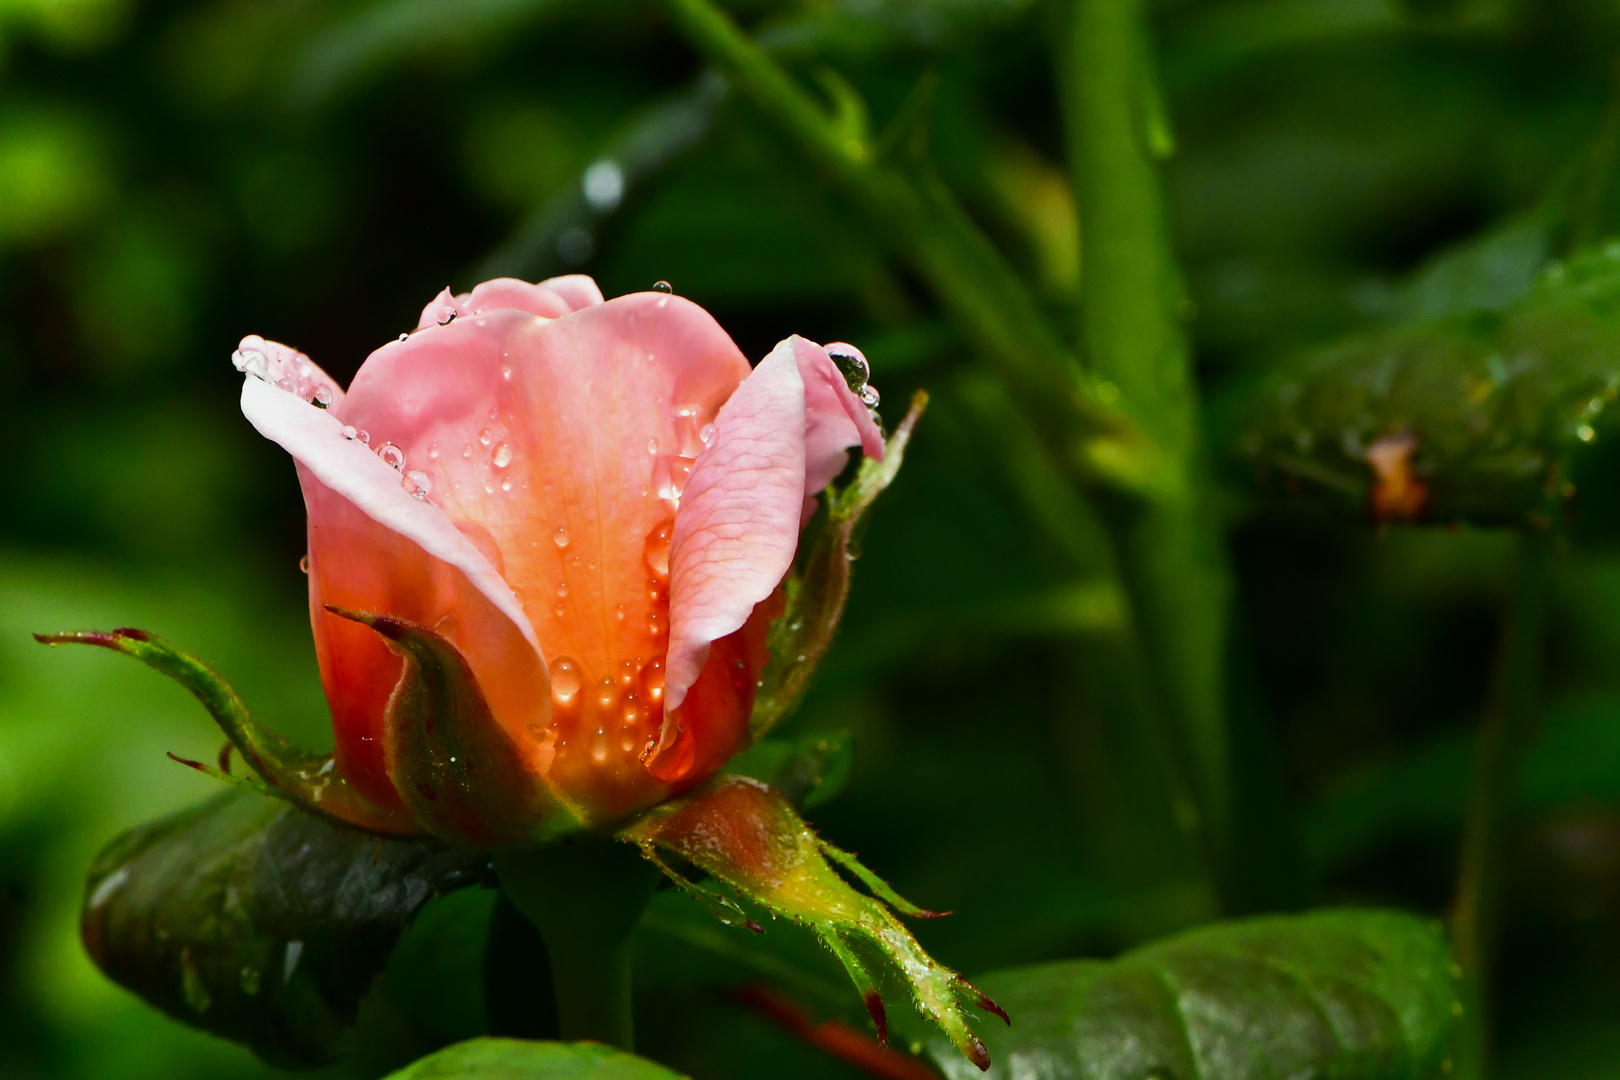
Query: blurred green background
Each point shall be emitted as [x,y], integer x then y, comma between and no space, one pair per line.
[175,175]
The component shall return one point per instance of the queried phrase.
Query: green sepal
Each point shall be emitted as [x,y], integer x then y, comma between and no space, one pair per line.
[747,836]
[799,637]
[257,922]
[305,779]
[522,1059]
[461,775]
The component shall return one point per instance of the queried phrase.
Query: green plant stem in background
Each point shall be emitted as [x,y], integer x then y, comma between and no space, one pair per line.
[1507,732]
[585,896]
[1132,311]
[923,222]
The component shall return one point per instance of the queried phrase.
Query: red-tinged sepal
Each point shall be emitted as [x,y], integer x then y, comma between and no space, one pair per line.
[814,601]
[747,836]
[459,772]
[305,779]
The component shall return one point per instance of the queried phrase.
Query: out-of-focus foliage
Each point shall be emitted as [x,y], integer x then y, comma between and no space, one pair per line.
[1347,173]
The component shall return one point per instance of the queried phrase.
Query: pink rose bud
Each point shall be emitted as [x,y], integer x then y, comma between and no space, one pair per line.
[592,503]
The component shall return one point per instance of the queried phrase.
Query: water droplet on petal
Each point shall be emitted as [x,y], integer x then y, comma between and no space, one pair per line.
[485,438]
[489,487]
[349,431]
[706,436]
[392,455]
[466,451]
[607,692]
[402,337]
[619,612]
[417,483]
[562,590]
[852,366]
[364,437]
[870,397]
[303,564]
[663,287]
[560,537]
[321,398]
[287,385]
[433,452]
[502,456]
[565,680]
[506,485]
[652,446]
[656,548]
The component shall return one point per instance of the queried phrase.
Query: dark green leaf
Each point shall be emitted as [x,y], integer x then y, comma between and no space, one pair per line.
[1365,994]
[253,920]
[1491,410]
[516,1059]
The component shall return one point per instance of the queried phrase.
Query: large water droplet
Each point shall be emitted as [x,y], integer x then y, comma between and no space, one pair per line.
[663,287]
[321,398]
[565,679]
[656,548]
[502,456]
[560,537]
[852,366]
[417,483]
[392,455]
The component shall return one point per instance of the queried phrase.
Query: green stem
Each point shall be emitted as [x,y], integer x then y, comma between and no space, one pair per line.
[925,225]
[585,896]
[1507,731]
[1131,322]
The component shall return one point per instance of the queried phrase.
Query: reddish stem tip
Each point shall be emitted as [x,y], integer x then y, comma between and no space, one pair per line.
[880,1017]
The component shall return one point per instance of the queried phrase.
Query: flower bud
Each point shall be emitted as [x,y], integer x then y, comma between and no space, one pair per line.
[550,531]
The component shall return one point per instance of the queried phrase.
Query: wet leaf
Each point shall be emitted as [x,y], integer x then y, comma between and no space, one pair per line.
[519,1059]
[1474,419]
[1344,993]
[255,921]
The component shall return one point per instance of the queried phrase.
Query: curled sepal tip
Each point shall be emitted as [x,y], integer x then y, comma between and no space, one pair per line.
[305,779]
[814,602]
[460,773]
[746,835]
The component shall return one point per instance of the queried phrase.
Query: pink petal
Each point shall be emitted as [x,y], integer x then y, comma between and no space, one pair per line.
[440,310]
[738,523]
[500,293]
[286,367]
[350,469]
[577,290]
[836,419]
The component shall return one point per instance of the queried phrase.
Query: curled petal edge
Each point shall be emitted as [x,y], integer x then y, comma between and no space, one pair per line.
[307,780]
[747,836]
[315,438]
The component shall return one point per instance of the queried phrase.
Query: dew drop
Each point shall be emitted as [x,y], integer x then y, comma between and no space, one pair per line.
[607,692]
[402,337]
[364,437]
[652,446]
[706,436]
[560,537]
[565,680]
[417,483]
[619,612]
[506,485]
[506,373]
[656,548]
[502,456]
[433,452]
[466,451]
[663,287]
[392,455]
[303,563]
[485,438]
[627,744]
[489,487]
[562,591]
[852,366]
[628,672]
[870,397]
[349,431]
[321,398]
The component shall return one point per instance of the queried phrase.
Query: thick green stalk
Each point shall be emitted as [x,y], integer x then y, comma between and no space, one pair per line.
[1506,734]
[925,225]
[1132,313]
[585,896]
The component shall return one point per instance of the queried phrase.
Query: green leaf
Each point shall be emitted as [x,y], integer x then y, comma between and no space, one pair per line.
[517,1059]
[1342,993]
[1478,418]
[255,921]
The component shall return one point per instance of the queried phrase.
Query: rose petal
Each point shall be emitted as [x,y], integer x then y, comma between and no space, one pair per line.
[500,293]
[577,290]
[836,419]
[738,524]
